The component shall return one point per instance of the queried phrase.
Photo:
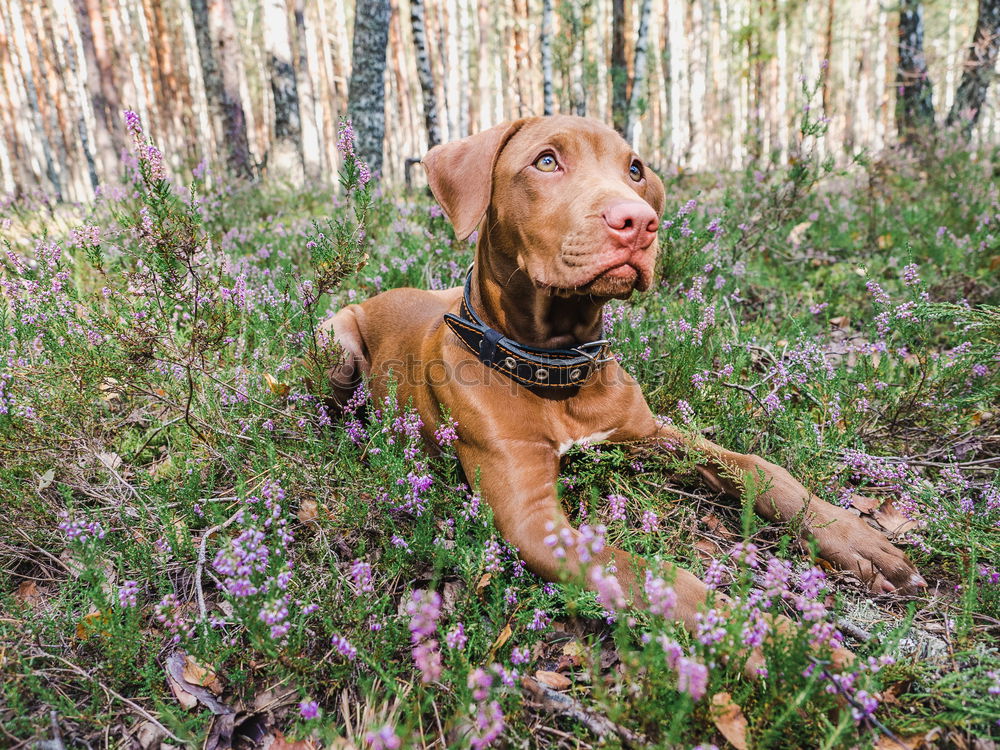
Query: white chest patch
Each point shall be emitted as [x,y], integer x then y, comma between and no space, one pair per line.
[587,440]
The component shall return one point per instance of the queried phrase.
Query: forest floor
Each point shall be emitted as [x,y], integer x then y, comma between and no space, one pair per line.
[194,553]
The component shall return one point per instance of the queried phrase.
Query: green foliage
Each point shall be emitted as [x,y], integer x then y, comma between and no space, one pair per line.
[155,426]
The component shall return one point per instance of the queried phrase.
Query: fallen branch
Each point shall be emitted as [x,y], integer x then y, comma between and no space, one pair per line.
[202,554]
[131,704]
[566,705]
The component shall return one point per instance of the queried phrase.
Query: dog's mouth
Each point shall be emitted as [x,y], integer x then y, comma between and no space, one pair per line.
[617,280]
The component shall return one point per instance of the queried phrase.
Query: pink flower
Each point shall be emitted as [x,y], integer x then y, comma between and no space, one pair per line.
[308,709]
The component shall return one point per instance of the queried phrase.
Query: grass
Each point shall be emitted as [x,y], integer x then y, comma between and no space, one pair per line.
[186,528]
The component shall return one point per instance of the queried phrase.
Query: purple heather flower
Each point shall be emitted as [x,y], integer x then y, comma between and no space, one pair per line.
[80,530]
[361,575]
[456,637]
[520,655]
[540,621]
[650,522]
[692,677]
[308,709]
[609,591]
[343,647]
[133,125]
[383,738]
[127,593]
[866,705]
[662,598]
[616,507]
[446,433]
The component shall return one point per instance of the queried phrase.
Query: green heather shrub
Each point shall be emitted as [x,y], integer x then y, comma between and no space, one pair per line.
[181,508]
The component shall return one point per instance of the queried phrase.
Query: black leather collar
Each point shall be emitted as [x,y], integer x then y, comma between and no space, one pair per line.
[534,368]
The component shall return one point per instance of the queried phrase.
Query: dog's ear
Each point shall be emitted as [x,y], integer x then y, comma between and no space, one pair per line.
[460,175]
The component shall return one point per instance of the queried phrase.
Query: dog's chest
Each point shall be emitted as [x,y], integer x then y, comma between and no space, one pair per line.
[596,437]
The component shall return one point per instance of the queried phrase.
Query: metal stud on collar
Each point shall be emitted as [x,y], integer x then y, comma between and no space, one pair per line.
[542,375]
[510,363]
[574,374]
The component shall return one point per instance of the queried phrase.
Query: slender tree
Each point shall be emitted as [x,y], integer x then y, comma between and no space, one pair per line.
[366,95]
[914,100]
[619,69]
[979,68]
[545,42]
[638,70]
[215,30]
[424,73]
[285,157]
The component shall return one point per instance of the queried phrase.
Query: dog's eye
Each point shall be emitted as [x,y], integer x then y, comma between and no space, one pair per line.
[635,171]
[546,163]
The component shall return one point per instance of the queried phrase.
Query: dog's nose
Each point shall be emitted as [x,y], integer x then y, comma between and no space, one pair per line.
[633,223]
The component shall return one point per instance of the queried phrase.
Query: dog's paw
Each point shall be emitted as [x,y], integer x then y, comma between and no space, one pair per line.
[852,545]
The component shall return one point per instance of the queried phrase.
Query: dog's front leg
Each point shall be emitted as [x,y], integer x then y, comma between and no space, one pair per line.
[518,480]
[843,538]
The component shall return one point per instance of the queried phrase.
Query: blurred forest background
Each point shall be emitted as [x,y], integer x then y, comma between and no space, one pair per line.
[260,84]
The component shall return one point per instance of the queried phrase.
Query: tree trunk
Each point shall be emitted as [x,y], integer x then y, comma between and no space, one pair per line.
[424,73]
[222,22]
[915,100]
[546,45]
[367,90]
[979,69]
[619,71]
[638,71]
[520,22]
[101,88]
[311,157]
[285,158]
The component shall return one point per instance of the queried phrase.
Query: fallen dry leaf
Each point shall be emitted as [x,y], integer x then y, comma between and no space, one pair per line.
[504,636]
[186,700]
[91,623]
[276,387]
[729,720]
[706,550]
[892,520]
[281,743]
[553,680]
[184,691]
[484,581]
[198,674]
[572,655]
[110,460]
[46,479]
[717,526]
[910,743]
[28,593]
[885,513]
[308,511]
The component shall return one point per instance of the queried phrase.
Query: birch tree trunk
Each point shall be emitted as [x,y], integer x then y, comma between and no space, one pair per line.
[366,96]
[234,126]
[424,73]
[285,157]
[619,71]
[545,42]
[312,159]
[100,84]
[215,29]
[915,100]
[638,71]
[979,69]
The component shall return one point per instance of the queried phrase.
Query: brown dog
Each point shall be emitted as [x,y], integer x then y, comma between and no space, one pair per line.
[571,215]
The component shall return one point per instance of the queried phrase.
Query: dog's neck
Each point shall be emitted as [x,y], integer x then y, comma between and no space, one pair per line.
[506,299]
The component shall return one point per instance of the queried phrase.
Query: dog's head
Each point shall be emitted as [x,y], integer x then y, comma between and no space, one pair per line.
[566,199]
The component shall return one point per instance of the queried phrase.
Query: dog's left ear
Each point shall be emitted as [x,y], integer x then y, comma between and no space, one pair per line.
[460,175]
